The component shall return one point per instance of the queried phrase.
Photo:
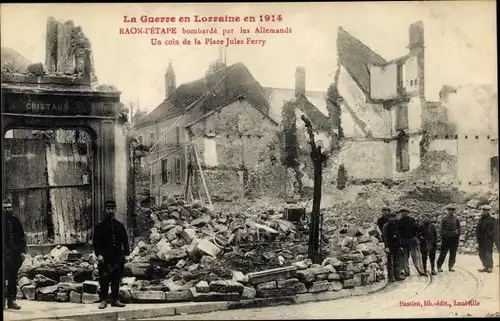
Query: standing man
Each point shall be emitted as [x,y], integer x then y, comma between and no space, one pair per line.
[392,241]
[14,242]
[449,231]
[485,232]
[428,242]
[111,248]
[408,229]
[383,220]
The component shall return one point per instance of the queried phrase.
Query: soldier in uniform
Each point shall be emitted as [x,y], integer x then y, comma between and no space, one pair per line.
[14,242]
[392,241]
[111,248]
[485,232]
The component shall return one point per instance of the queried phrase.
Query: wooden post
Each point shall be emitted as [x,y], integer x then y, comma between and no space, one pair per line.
[318,159]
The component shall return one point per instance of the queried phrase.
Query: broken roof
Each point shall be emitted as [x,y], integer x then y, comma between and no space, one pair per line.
[356,57]
[227,85]
[278,96]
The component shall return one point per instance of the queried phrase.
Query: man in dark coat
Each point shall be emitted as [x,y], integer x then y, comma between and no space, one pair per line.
[428,242]
[408,229]
[485,232]
[14,243]
[383,220]
[449,231]
[111,248]
[392,241]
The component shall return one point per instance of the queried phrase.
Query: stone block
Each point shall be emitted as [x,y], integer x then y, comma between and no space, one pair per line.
[29,292]
[332,261]
[302,265]
[181,263]
[226,286]
[335,286]
[372,258]
[67,279]
[75,297]
[148,296]
[321,277]
[128,280]
[248,293]
[47,297]
[301,288]
[288,283]
[272,274]
[266,286]
[202,287]
[367,248]
[269,293]
[359,279]
[91,287]
[346,274]
[179,296]
[125,294]
[322,270]
[318,286]
[188,235]
[333,276]
[306,276]
[214,296]
[47,289]
[62,296]
[240,277]
[23,282]
[358,268]
[346,266]
[68,287]
[354,257]
[205,247]
[201,221]
[89,298]
[348,284]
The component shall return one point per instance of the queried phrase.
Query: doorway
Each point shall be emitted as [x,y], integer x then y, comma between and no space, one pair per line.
[48,176]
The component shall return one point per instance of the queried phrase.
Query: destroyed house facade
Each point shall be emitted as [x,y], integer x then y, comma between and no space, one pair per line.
[381,107]
[219,124]
[65,152]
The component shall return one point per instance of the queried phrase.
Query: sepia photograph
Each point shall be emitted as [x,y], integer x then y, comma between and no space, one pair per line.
[250,161]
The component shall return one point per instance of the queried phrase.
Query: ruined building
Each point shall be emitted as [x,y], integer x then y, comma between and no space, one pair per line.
[64,150]
[389,128]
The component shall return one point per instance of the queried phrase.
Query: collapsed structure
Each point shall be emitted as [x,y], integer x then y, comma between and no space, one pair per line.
[64,148]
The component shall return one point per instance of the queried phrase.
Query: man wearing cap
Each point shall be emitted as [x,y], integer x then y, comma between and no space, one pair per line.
[392,241]
[111,248]
[449,230]
[408,229]
[428,242]
[14,242]
[485,232]
[383,219]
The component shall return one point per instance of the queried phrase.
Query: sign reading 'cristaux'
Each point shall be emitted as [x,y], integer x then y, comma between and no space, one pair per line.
[45,106]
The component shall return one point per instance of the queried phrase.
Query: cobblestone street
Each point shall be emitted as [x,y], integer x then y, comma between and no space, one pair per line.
[464,284]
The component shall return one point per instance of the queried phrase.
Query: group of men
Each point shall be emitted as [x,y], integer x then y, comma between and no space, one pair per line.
[405,237]
[110,243]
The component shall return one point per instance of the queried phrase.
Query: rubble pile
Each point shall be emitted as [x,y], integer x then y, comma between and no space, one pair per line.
[192,253]
[436,166]
[358,261]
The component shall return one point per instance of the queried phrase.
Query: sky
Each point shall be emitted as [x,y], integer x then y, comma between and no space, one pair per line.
[460,40]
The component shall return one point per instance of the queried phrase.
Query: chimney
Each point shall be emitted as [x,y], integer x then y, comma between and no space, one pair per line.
[300,81]
[416,35]
[170,85]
